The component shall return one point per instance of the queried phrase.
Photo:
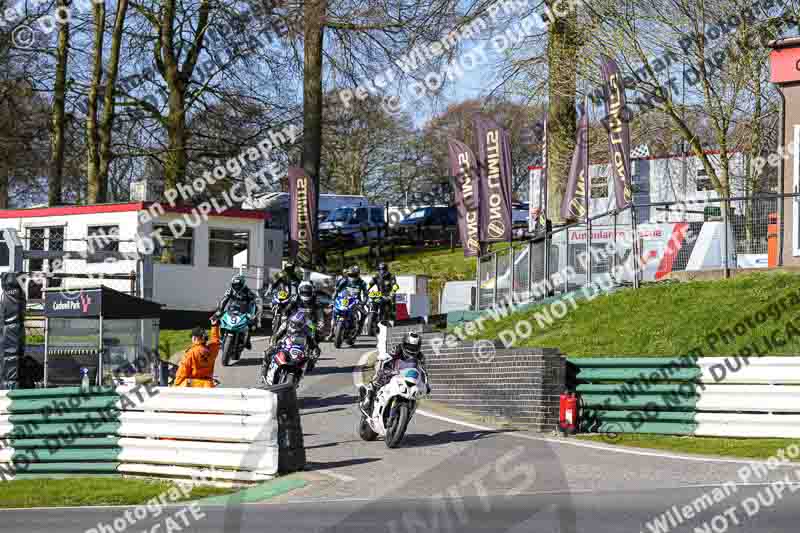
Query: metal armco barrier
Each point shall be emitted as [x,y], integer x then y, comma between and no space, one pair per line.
[708,396]
[227,435]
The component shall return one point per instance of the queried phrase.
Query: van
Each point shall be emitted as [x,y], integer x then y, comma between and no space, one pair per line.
[352,225]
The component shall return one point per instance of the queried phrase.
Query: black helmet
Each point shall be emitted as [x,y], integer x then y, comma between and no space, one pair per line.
[237,282]
[306,291]
[354,271]
[200,332]
[382,268]
[412,345]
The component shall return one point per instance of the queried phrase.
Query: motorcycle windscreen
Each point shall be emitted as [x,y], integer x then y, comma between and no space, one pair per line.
[410,370]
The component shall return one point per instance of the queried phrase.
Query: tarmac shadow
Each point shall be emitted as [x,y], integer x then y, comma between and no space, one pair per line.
[449,436]
[316,402]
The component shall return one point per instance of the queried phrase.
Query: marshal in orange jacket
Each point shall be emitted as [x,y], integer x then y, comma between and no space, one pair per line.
[197,367]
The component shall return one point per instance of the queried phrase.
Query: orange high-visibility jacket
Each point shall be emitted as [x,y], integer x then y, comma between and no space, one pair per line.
[197,367]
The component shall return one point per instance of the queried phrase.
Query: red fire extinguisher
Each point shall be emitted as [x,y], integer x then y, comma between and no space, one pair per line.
[568,413]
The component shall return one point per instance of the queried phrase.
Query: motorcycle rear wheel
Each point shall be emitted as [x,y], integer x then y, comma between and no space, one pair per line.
[397,425]
[365,431]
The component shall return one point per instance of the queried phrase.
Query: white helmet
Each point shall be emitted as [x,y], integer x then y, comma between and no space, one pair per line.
[306,291]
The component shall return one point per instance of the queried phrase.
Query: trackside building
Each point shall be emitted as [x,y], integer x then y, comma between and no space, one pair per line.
[171,255]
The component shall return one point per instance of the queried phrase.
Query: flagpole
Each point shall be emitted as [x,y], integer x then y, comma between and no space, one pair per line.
[544,188]
[588,187]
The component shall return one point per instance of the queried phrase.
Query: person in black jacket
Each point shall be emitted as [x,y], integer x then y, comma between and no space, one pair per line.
[239,297]
[12,340]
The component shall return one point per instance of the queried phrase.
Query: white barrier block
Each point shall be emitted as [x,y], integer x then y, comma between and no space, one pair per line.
[775,370]
[260,456]
[769,398]
[215,400]
[204,427]
[200,474]
[747,425]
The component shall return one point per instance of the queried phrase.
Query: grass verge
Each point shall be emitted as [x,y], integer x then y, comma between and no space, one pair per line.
[82,491]
[661,320]
[745,448]
[439,264]
[173,342]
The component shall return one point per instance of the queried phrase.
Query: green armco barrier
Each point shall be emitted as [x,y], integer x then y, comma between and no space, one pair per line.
[65,468]
[66,430]
[633,362]
[63,455]
[59,392]
[59,431]
[657,395]
[641,373]
[88,442]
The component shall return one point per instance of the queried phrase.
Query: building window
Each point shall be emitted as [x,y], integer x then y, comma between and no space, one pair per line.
[227,247]
[5,258]
[102,243]
[45,239]
[172,250]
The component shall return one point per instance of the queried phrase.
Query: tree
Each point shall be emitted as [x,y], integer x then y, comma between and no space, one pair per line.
[457,122]
[23,154]
[724,76]
[57,124]
[98,135]
[361,145]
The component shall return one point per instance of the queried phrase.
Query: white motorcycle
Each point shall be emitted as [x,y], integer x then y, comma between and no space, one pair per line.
[395,403]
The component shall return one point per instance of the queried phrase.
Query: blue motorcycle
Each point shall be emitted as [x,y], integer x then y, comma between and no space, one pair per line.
[233,329]
[346,318]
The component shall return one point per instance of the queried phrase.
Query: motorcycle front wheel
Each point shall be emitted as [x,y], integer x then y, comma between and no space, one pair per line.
[371,327]
[285,377]
[276,321]
[227,349]
[365,431]
[338,334]
[397,424]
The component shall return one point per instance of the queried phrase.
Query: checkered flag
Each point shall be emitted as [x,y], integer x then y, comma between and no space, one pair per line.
[640,152]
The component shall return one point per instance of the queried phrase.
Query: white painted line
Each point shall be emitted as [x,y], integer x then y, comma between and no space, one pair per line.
[334,475]
[609,448]
[380,499]
[453,421]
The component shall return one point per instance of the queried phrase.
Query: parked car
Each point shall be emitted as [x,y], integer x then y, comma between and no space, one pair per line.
[348,225]
[428,224]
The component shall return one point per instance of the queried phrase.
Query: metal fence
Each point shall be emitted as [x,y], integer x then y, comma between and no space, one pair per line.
[637,245]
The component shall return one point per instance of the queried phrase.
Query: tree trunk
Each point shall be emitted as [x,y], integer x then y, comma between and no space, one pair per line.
[314,15]
[177,77]
[109,114]
[57,141]
[93,178]
[175,162]
[5,175]
[562,49]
